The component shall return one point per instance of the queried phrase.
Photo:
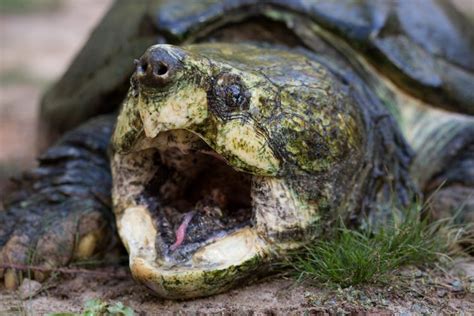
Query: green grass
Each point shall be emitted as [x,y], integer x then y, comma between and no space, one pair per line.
[100,308]
[354,257]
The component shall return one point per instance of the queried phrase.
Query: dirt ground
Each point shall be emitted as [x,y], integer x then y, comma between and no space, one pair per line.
[413,292]
[35,49]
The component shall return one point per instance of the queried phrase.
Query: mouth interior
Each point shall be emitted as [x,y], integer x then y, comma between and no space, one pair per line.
[198,197]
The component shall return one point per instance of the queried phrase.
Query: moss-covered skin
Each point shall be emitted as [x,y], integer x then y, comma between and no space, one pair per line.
[282,118]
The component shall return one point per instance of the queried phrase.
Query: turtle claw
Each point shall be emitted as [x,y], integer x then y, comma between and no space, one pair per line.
[10,279]
[49,245]
[13,252]
[87,245]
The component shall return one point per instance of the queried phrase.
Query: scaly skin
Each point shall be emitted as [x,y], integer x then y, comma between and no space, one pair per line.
[60,211]
[279,116]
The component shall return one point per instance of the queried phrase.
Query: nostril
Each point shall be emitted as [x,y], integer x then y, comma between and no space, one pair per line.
[162,69]
[144,66]
[141,66]
[157,67]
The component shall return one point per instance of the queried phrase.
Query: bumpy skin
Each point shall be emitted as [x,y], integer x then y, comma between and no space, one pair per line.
[367,61]
[60,211]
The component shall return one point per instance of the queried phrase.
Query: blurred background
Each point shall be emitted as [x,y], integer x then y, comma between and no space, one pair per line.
[38,39]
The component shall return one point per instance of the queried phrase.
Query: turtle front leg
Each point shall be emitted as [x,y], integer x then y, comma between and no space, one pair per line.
[59,211]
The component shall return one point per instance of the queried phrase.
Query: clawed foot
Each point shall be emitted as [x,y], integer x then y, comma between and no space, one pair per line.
[48,236]
[59,212]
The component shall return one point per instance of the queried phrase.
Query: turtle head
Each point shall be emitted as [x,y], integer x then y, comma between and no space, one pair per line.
[224,157]
[176,89]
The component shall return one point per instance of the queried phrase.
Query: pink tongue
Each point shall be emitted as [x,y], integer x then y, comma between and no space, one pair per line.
[181,231]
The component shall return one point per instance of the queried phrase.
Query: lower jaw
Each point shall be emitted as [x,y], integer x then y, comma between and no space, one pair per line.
[212,269]
[214,265]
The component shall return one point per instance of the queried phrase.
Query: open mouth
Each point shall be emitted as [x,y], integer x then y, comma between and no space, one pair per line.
[194,196]
[182,208]
[185,215]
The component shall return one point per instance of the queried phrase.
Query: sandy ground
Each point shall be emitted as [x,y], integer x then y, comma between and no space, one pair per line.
[413,292]
[35,49]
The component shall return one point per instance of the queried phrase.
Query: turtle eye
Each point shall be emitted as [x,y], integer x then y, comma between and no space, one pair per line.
[229,95]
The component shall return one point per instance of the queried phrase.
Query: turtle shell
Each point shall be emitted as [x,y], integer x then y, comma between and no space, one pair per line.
[432,60]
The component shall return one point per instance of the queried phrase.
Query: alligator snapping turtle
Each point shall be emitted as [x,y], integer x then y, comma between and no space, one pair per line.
[269,122]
